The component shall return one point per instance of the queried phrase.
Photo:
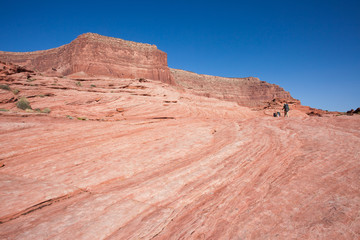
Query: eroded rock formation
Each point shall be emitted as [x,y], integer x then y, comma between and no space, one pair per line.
[97,55]
[248,91]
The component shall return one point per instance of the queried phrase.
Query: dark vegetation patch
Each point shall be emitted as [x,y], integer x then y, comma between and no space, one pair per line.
[314,114]
[23,103]
[5,87]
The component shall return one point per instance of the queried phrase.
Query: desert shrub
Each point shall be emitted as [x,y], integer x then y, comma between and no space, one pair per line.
[5,87]
[78,84]
[15,91]
[46,110]
[23,103]
[30,79]
[82,118]
[92,85]
[3,110]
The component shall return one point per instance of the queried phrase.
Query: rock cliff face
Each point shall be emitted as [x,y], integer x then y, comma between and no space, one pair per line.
[248,91]
[95,55]
[98,55]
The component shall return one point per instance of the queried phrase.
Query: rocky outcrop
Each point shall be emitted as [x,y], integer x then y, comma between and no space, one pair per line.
[250,91]
[352,111]
[97,55]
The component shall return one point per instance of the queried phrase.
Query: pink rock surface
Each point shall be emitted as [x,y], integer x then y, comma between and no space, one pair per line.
[169,165]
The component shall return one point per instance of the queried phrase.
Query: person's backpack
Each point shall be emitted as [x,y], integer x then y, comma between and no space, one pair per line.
[286,107]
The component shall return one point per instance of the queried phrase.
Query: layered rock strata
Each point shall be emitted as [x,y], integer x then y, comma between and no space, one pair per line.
[250,91]
[97,55]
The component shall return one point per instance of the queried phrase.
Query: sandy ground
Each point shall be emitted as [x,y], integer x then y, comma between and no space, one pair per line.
[123,159]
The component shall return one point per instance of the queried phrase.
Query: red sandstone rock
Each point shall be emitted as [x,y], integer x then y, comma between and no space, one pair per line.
[92,55]
[97,55]
[250,92]
[172,166]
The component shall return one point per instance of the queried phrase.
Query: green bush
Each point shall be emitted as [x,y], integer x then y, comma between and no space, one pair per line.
[23,103]
[15,91]
[83,118]
[78,84]
[3,110]
[46,110]
[5,87]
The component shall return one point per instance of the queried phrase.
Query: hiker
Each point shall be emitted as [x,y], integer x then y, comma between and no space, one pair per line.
[286,110]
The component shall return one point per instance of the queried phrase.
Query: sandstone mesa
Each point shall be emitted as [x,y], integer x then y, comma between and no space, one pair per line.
[95,55]
[132,149]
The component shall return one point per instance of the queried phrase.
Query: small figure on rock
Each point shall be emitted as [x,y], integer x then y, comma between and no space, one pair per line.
[276,114]
[286,110]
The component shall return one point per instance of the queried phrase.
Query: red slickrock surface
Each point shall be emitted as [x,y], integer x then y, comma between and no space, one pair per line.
[137,159]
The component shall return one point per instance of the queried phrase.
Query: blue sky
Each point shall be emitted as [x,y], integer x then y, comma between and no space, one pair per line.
[311,48]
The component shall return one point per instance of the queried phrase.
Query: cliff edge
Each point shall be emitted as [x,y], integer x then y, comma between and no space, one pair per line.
[249,91]
[91,54]
[97,55]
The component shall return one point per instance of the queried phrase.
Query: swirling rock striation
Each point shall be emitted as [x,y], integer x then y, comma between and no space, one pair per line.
[136,159]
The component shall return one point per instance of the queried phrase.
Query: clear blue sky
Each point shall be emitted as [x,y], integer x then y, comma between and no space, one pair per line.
[311,48]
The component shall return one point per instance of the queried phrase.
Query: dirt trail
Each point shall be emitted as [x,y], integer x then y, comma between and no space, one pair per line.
[169,165]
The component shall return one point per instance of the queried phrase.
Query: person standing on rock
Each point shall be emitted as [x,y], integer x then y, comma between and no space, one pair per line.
[286,110]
